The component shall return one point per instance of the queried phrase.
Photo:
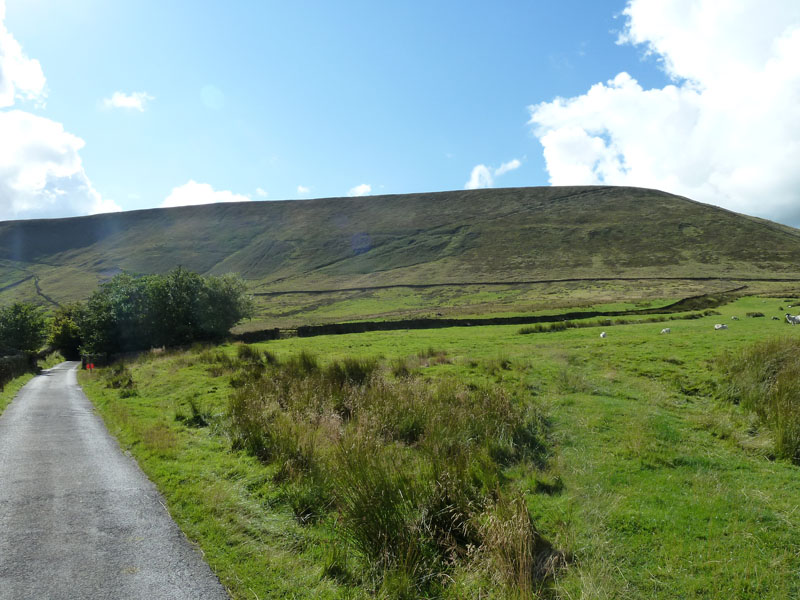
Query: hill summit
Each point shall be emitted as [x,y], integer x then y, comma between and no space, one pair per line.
[513,234]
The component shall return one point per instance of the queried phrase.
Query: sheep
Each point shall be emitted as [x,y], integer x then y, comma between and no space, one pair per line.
[776,318]
[666,330]
[603,334]
[792,320]
[734,318]
[719,326]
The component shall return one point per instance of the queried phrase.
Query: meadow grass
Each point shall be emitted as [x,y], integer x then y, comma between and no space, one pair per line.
[11,388]
[648,485]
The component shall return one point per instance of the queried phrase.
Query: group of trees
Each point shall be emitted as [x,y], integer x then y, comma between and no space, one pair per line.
[133,313]
[22,329]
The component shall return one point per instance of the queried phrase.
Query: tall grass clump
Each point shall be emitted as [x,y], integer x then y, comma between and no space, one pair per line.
[408,470]
[765,378]
[119,377]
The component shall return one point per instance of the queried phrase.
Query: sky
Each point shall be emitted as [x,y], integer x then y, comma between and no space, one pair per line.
[110,106]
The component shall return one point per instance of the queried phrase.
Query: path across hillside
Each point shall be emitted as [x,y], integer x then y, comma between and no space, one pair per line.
[78,519]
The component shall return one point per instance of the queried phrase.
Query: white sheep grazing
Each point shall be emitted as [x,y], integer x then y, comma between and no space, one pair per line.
[666,330]
[792,320]
[734,318]
[603,334]
[719,326]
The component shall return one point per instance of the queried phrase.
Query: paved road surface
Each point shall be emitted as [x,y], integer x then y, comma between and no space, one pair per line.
[78,519]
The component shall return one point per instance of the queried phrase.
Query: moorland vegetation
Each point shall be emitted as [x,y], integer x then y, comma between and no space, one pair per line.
[498,236]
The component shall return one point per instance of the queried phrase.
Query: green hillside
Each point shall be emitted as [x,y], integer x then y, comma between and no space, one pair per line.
[493,235]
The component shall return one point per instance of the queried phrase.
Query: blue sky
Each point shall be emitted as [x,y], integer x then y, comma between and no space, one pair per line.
[394,97]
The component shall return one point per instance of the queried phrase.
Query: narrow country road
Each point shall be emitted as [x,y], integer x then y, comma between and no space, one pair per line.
[78,519]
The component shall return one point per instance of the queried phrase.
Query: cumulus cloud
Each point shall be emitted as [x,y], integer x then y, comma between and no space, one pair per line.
[261,193]
[133,101]
[725,131]
[483,176]
[20,77]
[301,189]
[41,173]
[192,192]
[360,190]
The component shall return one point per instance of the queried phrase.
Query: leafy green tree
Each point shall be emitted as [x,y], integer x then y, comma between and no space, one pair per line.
[181,307]
[22,328]
[116,314]
[175,302]
[66,330]
[225,303]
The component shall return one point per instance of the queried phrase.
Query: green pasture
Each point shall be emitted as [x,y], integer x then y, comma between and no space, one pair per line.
[653,487]
[291,310]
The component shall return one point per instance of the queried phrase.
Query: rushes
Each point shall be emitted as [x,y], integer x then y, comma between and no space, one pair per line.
[765,379]
[409,470]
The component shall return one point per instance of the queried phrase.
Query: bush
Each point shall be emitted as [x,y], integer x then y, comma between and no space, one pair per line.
[119,377]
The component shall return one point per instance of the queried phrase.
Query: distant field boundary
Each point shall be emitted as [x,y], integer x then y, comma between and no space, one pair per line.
[15,284]
[530,282]
[699,302]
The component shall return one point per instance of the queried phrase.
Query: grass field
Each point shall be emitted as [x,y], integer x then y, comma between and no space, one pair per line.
[651,484]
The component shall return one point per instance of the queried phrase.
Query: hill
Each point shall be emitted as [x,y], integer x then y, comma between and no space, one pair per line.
[497,235]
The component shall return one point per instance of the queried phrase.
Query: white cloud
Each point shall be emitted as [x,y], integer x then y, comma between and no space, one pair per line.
[191,193]
[20,77]
[725,131]
[483,176]
[41,173]
[261,193]
[360,190]
[133,101]
[301,189]
[506,167]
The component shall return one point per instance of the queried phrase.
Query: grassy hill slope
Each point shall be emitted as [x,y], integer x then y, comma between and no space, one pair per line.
[510,235]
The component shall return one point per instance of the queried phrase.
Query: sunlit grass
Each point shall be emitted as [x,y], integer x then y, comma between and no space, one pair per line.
[650,486]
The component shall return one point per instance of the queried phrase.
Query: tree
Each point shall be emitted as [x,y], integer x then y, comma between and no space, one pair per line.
[65,330]
[115,319]
[225,303]
[174,306]
[129,313]
[22,328]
